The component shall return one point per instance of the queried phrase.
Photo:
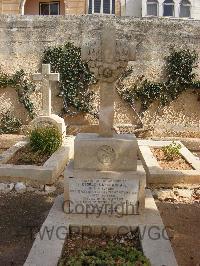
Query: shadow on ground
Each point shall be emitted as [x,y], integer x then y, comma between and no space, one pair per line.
[21,216]
[182,222]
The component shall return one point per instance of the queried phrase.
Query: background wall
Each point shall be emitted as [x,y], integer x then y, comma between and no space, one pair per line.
[32,7]
[23,40]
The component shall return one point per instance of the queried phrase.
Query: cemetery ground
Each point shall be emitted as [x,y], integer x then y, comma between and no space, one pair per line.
[22,214]
[102,171]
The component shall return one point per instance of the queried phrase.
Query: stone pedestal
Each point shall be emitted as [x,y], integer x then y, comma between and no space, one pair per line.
[105,176]
[116,153]
[104,192]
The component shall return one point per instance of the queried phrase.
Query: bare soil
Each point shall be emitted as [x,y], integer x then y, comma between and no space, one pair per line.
[21,216]
[178,163]
[26,156]
[182,223]
[7,140]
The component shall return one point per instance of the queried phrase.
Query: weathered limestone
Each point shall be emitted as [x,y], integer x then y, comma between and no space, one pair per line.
[157,175]
[107,58]
[181,117]
[46,77]
[47,117]
[106,115]
[104,171]
[113,192]
[117,153]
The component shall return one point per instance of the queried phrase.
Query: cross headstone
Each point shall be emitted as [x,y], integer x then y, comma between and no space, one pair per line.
[107,58]
[47,78]
[105,170]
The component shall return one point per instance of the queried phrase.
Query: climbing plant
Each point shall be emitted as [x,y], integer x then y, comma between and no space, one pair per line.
[9,124]
[22,85]
[75,78]
[180,76]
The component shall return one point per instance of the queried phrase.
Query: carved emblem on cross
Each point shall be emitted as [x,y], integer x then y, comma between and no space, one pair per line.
[107,58]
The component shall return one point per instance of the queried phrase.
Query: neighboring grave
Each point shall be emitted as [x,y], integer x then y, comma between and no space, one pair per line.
[46,77]
[104,171]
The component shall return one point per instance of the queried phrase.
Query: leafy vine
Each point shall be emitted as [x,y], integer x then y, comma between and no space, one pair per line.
[180,76]
[9,124]
[75,78]
[22,85]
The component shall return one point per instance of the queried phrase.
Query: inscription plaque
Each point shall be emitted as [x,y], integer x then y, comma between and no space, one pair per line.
[103,195]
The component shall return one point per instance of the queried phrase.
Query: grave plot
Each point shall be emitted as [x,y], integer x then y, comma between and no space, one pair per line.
[17,165]
[151,239]
[104,184]
[27,161]
[169,163]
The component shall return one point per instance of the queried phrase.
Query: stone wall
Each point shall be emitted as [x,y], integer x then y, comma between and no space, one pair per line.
[23,40]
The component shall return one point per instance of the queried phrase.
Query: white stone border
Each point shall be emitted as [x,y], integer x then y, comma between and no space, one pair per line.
[157,175]
[45,174]
[47,251]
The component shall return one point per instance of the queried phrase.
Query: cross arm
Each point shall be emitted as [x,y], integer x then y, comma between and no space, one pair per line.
[54,76]
[37,77]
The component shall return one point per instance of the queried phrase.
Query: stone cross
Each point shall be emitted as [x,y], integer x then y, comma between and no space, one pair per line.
[47,78]
[107,58]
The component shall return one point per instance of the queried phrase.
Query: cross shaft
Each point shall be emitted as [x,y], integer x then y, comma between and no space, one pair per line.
[47,78]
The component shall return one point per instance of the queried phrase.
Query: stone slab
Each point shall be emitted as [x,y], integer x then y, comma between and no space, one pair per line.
[104,193]
[47,251]
[45,174]
[157,175]
[156,245]
[117,153]
[52,119]
[87,191]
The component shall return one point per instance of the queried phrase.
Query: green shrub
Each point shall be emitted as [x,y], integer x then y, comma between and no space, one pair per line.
[112,254]
[46,140]
[9,124]
[172,151]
